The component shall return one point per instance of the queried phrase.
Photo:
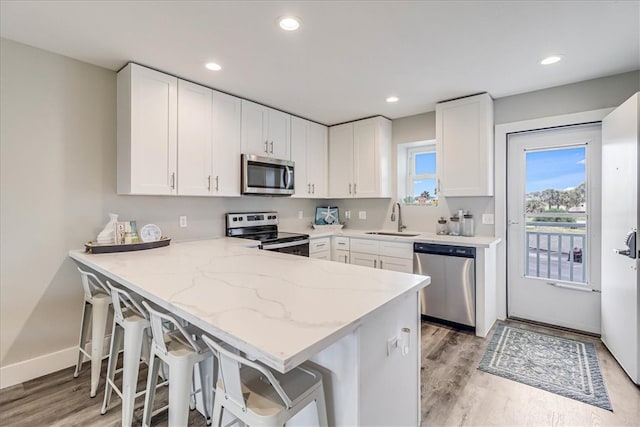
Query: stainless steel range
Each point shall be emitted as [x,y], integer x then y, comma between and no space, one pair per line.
[263,226]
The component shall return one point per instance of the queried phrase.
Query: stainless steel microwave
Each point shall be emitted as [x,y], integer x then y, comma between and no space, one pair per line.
[266,176]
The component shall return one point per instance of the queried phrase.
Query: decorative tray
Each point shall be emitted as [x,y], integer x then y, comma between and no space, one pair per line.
[95,248]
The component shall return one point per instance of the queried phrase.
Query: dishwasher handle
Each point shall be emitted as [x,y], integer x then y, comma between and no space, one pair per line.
[448,250]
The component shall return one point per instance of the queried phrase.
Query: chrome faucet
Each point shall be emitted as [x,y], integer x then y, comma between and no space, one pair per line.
[393,217]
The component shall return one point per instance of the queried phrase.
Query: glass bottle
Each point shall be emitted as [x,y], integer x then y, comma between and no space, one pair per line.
[442,226]
[467,224]
[454,226]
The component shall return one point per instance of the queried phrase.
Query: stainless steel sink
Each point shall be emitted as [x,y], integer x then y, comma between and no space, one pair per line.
[385,233]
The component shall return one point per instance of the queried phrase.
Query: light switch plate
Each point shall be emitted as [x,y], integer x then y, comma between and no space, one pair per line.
[487,219]
[347,214]
[300,214]
[362,215]
[183,221]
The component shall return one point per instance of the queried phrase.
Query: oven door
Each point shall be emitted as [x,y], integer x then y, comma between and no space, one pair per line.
[298,247]
[263,175]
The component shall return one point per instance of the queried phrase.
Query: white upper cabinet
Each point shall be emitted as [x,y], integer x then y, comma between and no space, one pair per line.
[464,136]
[208,142]
[265,131]
[146,131]
[309,151]
[360,159]
[176,137]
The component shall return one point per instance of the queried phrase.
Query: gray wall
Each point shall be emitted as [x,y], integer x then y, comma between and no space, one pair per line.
[58,184]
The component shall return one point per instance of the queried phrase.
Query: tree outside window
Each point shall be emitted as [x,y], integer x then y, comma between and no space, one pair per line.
[422,180]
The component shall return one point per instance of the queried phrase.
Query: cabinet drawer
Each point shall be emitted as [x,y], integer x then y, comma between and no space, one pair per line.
[397,249]
[325,254]
[396,264]
[319,245]
[365,246]
[341,242]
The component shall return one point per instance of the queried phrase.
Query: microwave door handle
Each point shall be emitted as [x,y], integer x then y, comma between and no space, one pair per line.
[287,174]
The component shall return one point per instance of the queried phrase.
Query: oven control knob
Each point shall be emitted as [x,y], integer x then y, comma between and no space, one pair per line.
[235,218]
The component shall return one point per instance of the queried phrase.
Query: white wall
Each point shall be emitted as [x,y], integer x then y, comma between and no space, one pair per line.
[58,183]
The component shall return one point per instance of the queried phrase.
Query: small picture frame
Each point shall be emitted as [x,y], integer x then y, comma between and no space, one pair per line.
[327,215]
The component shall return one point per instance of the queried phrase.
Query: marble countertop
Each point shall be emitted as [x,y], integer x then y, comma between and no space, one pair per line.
[278,308]
[475,241]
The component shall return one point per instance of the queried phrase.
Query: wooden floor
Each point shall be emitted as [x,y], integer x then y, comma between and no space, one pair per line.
[454,392]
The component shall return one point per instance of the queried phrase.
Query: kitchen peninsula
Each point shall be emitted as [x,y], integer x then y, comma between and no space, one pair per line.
[361,326]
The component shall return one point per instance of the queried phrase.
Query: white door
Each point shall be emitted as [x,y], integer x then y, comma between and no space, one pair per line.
[620,215]
[225,180]
[255,138]
[279,134]
[341,161]
[317,160]
[195,139]
[365,154]
[553,235]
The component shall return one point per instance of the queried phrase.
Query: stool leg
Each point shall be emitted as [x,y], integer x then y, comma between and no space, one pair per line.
[99,323]
[321,407]
[179,391]
[216,418]
[116,342]
[132,352]
[152,381]
[206,388]
[84,327]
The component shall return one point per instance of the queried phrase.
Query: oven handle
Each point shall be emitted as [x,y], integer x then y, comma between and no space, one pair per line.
[270,246]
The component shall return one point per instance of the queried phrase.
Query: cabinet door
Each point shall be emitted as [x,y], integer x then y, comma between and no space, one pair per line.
[317,153]
[299,132]
[367,260]
[365,153]
[341,161]
[402,265]
[195,139]
[255,127]
[225,179]
[464,136]
[147,135]
[340,255]
[279,136]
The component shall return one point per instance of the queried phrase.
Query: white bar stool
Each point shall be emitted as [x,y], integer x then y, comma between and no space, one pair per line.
[130,319]
[257,396]
[97,299]
[180,351]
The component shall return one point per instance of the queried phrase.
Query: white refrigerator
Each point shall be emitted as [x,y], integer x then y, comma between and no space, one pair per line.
[620,220]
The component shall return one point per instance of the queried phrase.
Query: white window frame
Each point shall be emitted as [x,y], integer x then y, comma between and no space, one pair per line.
[429,147]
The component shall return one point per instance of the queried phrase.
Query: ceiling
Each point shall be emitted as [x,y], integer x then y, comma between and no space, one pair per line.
[348,56]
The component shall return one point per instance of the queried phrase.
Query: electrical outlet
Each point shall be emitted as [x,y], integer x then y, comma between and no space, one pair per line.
[300,214]
[347,214]
[183,221]
[362,215]
[487,219]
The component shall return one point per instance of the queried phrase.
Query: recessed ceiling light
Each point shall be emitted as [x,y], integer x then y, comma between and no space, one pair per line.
[392,99]
[551,59]
[213,66]
[289,23]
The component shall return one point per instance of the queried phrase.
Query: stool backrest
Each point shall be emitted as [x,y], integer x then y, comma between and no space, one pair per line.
[229,363]
[158,321]
[122,300]
[92,285]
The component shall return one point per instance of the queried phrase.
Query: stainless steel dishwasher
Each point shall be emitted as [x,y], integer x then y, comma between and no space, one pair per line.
[451,296]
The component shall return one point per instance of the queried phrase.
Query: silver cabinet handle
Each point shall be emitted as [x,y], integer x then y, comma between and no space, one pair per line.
[380,264]
[217,181]
[308,188]
[319,245]
[355,190]
[173,180]
[266,147]
[375,263]
[313,189]
[349,188]
[209,183]
[345,259]
[271,151]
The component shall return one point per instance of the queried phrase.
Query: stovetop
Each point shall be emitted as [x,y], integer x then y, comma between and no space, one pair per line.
[262,226]
[278,236]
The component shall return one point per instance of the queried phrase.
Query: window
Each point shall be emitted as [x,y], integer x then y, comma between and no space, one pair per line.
[421,180]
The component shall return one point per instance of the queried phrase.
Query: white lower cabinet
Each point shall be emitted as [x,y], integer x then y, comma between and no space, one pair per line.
[395,256]
[340,249]
[320,248]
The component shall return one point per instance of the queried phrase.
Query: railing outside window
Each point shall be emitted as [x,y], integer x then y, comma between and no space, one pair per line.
[557,255]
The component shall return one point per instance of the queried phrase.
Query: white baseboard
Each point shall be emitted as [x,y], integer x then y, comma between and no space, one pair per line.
[37,367]
[42,365]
